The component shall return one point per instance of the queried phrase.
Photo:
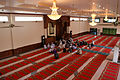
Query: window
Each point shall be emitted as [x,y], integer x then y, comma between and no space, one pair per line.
[83,19]
[97,20]
[74,19]
[110,20]
[3,18]
[28,18]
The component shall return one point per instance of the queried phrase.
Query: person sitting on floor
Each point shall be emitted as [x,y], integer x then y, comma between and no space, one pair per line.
[79,51]
[89,46]
[58,49]
[45,47]
[92,44]
[48,45]
[67,45]
[71,40]
[70,50]
[64,50]
[53,45]
[51,49]
[60,45]
[81,43]
[74,46]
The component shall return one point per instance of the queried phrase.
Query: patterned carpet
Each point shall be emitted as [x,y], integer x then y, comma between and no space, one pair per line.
[41,64]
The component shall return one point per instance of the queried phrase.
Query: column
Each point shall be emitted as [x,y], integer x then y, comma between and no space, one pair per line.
[45,33]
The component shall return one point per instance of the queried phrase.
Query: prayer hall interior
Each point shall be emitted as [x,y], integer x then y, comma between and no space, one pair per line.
[59,39]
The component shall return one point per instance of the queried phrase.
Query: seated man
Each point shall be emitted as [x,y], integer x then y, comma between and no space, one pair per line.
[48,45]
[56,55]
[81,43]
[89,46]
[74,47]
[51,50]
[92,44]
[84,42]
[71,40]
[53,45]
[64,50]
[79,51]
[67,45]
[58,48]
[69,50]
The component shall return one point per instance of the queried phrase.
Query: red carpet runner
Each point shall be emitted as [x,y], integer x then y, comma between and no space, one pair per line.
[110,72]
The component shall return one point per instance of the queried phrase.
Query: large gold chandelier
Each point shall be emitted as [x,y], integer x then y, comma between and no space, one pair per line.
[106,18]
[54,15]
[93,23]
[93,20]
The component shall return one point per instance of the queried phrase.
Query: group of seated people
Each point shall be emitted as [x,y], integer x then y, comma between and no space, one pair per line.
[66,46]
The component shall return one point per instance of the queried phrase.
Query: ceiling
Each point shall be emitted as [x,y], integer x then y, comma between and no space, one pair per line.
[66,7]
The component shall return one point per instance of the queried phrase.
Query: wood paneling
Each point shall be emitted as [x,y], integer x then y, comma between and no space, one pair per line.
[80,34]
[117,35]
[6,54]
[50,39]
[61,25]
[26,48]
[20,50]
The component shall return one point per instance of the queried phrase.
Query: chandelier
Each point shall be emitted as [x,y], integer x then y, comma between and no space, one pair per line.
[54,15]
[93,20]
[106,18]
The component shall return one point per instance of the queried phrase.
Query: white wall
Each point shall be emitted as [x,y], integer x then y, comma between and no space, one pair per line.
[5,36]
[29,33]
[79,26]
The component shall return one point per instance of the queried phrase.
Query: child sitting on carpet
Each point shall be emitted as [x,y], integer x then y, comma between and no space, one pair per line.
[56,55]
[45,47]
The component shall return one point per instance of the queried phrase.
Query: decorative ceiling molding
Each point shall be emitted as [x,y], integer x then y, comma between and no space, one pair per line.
[66,7]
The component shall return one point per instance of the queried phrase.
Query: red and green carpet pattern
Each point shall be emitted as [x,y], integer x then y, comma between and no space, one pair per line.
[110,72]
[103,44]
[106,41]
[98,41]
[113,43]
[106,50]
[57,66]
[50,70]
[90,69]
[21,57]
[87,73]
[97,37]
[81,37]
[28,55]
[23,63]
[89,37]
[69,70]
[34,67]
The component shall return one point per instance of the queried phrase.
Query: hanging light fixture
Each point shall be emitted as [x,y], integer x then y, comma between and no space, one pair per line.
[93,15]
[106,17]
[54,15]
[93,20]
